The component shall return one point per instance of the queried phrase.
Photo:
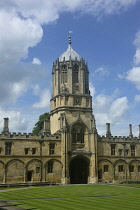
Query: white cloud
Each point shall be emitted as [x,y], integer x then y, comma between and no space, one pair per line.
[121,76]
[44,11]
[136,58]
[106,7]
[44,99]
[19,88]
[102,102]
[101,71]
[133,75]
[118,108]
[137,98]
[20,21]
[16,36]
[109,108]
[36,61]
[36,89]
[137,39]
[92,89]
[16,80]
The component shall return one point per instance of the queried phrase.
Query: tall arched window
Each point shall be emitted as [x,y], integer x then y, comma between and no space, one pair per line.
[75,73]
[64,74]
[82,135]
[50,166]
[74,136]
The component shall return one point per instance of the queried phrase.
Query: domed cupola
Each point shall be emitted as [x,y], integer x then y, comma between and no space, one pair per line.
[70,53]
[70,75]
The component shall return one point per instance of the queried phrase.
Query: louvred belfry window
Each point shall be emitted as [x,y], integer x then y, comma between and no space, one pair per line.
[64,74]
[75,73]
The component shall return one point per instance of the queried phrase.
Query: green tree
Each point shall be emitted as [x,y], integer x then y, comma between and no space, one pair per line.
[39,125]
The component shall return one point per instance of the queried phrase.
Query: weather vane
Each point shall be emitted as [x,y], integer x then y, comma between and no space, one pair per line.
[70,32]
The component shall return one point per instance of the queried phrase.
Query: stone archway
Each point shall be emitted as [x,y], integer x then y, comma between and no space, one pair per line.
[79,170]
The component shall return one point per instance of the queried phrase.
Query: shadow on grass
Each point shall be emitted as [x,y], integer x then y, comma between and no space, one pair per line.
[22,204]
[4,206]
[12,206]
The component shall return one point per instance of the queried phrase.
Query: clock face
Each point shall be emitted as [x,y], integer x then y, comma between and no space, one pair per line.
[77,101]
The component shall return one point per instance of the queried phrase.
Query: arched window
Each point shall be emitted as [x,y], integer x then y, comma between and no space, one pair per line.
[64,74]
[50,166]
[74,136]
[78,135]
[82,135]
[75,73]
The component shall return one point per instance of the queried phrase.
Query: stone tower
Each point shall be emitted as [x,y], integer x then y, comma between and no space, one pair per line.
[71,115]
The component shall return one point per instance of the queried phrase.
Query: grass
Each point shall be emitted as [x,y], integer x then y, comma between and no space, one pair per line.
[91,197]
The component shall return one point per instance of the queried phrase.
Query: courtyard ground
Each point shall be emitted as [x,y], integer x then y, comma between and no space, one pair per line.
[72,197]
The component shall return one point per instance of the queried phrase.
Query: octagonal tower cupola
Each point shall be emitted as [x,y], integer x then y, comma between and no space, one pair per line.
[70,54]
[70,73]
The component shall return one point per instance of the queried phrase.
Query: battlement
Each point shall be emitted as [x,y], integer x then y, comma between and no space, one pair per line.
[119,138]
[30,136]
[43,135]
[129,138]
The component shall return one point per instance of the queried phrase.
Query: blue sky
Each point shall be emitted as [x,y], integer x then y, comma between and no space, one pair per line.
[106,33]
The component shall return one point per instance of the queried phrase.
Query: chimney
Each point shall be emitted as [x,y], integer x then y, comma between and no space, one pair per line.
[130,129]
[6,128]
[108,132]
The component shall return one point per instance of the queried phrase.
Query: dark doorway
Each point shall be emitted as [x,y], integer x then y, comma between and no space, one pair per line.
[100,175]
[29,175]
[79,171]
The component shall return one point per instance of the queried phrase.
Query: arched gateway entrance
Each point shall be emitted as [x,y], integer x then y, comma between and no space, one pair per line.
[79,170]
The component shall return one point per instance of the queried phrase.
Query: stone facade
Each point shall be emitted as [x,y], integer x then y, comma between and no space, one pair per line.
[69,149]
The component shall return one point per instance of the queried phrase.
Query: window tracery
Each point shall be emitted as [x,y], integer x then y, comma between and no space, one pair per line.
[75,73]
[64,74]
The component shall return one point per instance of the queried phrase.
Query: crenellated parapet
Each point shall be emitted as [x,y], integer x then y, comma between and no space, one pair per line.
[110,138]
[119,139]
[28,136]
[44,134]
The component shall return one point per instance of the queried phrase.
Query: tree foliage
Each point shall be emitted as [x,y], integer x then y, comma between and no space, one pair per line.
[39,125]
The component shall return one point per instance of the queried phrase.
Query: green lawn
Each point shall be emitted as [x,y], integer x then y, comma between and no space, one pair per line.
[75,197]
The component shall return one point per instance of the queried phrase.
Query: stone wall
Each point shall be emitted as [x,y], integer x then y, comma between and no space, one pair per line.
[19,167]
[124,164]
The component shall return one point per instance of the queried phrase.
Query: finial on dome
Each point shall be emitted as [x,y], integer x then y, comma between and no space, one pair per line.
[70,32]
